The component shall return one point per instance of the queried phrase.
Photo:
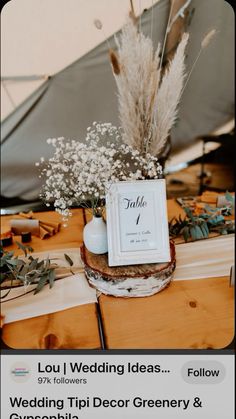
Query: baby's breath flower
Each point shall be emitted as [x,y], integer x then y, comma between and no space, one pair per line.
[81,173]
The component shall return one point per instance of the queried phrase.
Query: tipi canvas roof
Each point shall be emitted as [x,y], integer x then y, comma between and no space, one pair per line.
[85,91]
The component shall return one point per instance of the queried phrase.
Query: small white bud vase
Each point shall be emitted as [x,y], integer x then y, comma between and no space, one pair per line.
[95,236]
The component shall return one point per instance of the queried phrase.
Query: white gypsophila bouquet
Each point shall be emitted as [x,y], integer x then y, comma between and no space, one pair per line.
[79,174]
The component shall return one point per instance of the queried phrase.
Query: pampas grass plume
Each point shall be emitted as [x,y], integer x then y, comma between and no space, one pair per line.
[207,39]
[204,44]
[168,98]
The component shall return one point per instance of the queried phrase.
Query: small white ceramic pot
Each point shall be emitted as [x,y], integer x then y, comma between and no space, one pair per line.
[95,236]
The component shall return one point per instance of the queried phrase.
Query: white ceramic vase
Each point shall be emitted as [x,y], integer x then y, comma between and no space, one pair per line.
[95,236]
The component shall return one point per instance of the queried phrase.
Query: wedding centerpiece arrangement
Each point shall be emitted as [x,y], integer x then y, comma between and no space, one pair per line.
[148,108]
[81,173]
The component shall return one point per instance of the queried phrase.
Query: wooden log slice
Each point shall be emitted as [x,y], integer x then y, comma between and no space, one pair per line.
[127,281]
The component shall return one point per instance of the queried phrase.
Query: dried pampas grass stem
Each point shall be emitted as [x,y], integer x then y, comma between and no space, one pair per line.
[167,98]
[114,62]
[204,44]
[99,26]
[166,33]
[207,39]
[132,14]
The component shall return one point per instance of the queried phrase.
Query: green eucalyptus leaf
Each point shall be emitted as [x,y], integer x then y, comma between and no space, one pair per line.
[51,278]
[71,263]
[199,233]
[205,217]
[20,263]
[30,249]
[204,230]
[8,255]
[5,258]
[24,270]
[43,280]
[189,213]
[193,233]
[47,264]
[12,262]
[33,264]
[40,264]
[22,247]
[186,233]
[19,267]
[215,220]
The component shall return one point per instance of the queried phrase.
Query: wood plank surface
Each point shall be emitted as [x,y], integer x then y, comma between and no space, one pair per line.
[74,328]
[196,314]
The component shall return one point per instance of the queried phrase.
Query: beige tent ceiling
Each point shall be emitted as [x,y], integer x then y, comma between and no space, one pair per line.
[68,102]
[41,37]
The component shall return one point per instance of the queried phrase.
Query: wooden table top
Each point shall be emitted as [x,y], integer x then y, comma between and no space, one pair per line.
[75,328]
[196,314]
[188,314]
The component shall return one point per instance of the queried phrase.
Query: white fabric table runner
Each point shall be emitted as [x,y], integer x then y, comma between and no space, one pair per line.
[204,258]
[66,293]
[201,259]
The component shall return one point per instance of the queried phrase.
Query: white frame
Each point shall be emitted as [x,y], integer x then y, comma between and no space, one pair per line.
[160,252]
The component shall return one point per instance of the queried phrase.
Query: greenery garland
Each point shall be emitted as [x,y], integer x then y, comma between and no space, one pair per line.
[15,271]
[196,227]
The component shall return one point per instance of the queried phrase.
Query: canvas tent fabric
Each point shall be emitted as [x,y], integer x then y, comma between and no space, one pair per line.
[85,91]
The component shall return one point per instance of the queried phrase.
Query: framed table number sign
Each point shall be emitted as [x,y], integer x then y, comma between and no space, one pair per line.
[137,224]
